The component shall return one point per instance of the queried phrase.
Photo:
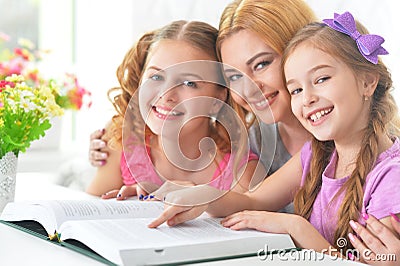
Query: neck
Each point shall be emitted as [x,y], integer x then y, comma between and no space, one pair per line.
[188,151]
[293,134]
[349,149]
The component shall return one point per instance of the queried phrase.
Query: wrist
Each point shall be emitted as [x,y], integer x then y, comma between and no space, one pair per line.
[296,226]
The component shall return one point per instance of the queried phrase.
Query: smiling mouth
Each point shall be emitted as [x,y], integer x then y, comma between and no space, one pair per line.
[318,115]
[266,100]
[165,112]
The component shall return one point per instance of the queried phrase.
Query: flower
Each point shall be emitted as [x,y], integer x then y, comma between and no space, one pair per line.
[28,100]
[25,113]
[69,94]
[23,60]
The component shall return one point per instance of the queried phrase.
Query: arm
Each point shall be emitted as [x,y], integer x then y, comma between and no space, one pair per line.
[380,236]
[274,193]
[107,177]
[302,232]
[247,173]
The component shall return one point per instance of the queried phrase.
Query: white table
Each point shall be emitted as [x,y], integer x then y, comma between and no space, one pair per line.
[19,248]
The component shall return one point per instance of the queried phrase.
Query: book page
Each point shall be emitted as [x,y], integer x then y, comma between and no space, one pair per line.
[51,214]
[134,239]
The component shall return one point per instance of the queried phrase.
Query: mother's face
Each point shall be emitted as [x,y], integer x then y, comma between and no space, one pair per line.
[253,70]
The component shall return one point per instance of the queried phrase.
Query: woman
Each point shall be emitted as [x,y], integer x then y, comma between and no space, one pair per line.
[251,51]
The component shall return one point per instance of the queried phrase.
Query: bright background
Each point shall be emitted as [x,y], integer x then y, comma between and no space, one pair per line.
[90,38]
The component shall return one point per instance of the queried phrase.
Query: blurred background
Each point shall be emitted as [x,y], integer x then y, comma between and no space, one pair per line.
[90,38]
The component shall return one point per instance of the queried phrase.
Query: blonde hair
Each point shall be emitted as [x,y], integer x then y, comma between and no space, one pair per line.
[383,119]
[129,73]
[274,21]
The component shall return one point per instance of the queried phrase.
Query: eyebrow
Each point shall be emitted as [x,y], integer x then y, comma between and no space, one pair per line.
[252,59]
[312,70]
[155,68]
[248,62]
[194,75]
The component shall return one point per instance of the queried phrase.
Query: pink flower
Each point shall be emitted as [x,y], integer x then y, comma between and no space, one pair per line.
[4,37]
[22,53]
[4,83]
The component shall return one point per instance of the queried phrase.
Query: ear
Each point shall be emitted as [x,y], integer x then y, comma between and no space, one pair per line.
[370,82]
[222,97]
[216,106]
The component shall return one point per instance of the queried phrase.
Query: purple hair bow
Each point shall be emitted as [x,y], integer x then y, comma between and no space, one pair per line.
[368,44]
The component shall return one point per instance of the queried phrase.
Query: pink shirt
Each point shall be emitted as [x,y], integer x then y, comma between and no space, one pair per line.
[142,168]
[381,189]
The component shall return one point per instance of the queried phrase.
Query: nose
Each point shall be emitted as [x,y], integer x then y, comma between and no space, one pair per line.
[309,97]
[169,95]
[253,89]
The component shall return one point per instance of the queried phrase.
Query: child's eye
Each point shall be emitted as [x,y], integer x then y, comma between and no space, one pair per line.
[156,77]
[189,83]
[296,91]
[262,64]
[235,77]
[321,80]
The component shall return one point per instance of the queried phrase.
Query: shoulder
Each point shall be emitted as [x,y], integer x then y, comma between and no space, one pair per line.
[387,167]
[389,160]
[261,127]
[383,183]
[260,134]
[306,151]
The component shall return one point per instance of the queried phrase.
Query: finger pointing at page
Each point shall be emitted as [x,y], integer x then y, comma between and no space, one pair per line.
[169,215]
[186,204]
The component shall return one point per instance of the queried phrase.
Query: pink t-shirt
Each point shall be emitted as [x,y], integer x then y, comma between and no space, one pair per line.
[142,168]
[381,190]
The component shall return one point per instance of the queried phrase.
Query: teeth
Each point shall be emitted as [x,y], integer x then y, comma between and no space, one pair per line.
[263,102]
[165,112]
[319,114]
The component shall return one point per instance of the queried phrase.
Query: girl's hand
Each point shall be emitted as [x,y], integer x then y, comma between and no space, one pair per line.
[271,222]
[121,194]
[377,245]
[186,204]
[169,186]
[97,157]
[143,190]
[175,214]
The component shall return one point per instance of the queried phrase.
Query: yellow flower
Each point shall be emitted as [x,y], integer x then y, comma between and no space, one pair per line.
[25,114]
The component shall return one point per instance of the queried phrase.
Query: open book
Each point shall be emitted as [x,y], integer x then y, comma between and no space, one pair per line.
[118,232]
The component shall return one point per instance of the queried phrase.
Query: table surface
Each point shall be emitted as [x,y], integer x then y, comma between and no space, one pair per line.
[20,248]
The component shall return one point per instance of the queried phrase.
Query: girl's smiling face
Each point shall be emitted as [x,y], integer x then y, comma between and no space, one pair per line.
[326,96]
[253,71]
[177,89]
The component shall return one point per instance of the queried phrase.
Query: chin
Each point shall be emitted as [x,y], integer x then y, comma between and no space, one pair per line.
[155,129]
[322,137]
[266,117]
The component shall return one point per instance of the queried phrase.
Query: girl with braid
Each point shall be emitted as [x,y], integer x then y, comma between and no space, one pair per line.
[161,76]
[340,92]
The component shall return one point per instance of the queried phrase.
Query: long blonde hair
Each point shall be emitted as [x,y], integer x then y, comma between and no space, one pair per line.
[274,21]
[383,119]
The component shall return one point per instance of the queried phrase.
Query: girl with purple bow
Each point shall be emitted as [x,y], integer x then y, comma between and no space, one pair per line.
[340,92]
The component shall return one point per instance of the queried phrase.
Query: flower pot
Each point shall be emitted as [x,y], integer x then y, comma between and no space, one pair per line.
[8,173]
